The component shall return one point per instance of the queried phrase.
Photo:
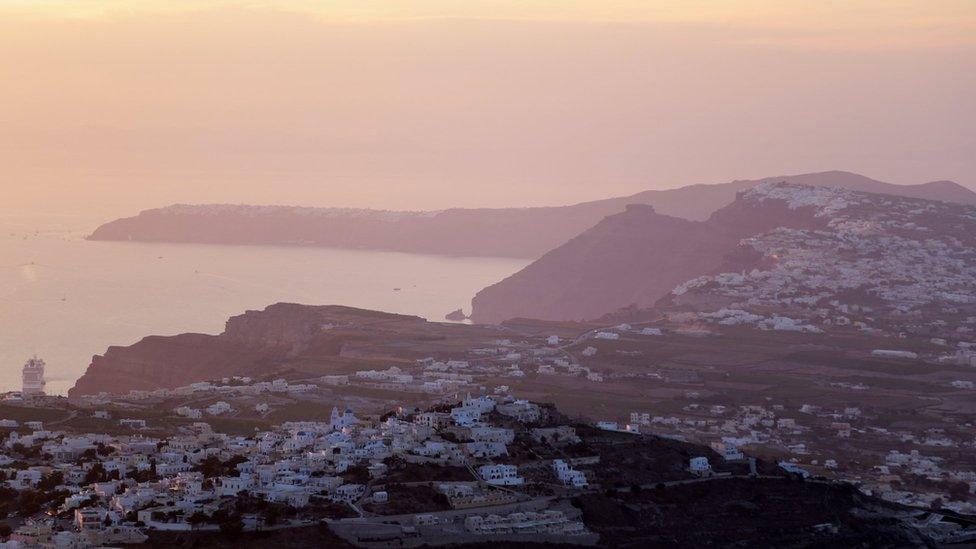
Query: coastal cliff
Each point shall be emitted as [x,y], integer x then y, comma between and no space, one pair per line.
[487,232]
[630,259]
[783,256]
[252,343]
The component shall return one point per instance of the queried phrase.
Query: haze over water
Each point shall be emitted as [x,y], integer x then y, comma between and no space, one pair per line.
[113,106]
[67,299]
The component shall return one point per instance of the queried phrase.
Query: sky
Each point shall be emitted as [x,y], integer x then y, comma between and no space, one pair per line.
[108,107]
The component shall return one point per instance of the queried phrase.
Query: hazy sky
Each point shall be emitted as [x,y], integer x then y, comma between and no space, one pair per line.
[111,106]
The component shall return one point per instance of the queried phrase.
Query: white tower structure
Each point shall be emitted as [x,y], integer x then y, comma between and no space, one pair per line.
[33,377]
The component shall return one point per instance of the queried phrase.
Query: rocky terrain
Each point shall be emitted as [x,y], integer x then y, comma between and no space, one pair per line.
[632,258]
[829,255]
[503,232]
[252,342]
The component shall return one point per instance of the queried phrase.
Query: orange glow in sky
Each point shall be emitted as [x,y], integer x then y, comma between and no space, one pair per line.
[431,103]
[948,18]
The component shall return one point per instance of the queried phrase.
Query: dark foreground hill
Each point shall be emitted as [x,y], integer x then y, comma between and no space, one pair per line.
[502,232]
[644,496]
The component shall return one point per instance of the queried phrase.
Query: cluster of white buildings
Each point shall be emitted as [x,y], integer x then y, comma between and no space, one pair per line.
[547,522]
[228,386]
[613,334]
[883,248]
[888,480]
[158,481]
[772,426]
[88,530]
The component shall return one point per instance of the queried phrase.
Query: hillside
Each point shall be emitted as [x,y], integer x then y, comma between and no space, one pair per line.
[631,257]
[882,264]
[254,342]
[802,248]
[503,232]
[792,394]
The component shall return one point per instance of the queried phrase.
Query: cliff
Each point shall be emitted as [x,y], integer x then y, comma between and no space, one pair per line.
[782,256]
[629,259]
[255,342]
[502,232]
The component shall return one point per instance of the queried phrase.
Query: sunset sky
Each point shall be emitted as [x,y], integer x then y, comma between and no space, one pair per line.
[111,106]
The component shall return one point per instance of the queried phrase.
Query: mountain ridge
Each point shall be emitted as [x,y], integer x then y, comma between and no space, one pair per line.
[501,232]
[781,231]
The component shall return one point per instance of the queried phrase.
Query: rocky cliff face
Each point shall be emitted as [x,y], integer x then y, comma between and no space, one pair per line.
[502,232]
[630,259]
[157,361]
[781,257]
[253,342]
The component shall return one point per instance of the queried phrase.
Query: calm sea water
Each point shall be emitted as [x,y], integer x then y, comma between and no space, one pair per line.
[66,299]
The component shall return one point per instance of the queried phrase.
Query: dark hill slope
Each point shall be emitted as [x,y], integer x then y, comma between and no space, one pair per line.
[629,257]
[632,258]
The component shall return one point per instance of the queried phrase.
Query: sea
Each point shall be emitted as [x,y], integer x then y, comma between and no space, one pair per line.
[65,299]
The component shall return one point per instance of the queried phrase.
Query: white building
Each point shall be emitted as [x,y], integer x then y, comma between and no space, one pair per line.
[186,411]
[486,449]
[700,466]
[32,377]
[501,475]
[492,434]
[569,476]
[218,408]
[522,410]
[546,522]
[133,423]
[348,492]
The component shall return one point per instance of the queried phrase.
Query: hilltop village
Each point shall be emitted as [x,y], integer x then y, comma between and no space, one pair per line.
[112,489]
[484,468]
[879,264]
[457,446]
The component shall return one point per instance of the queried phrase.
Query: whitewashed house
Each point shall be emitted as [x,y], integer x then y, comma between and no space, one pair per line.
[569,476]
[700,466]
[501,475]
